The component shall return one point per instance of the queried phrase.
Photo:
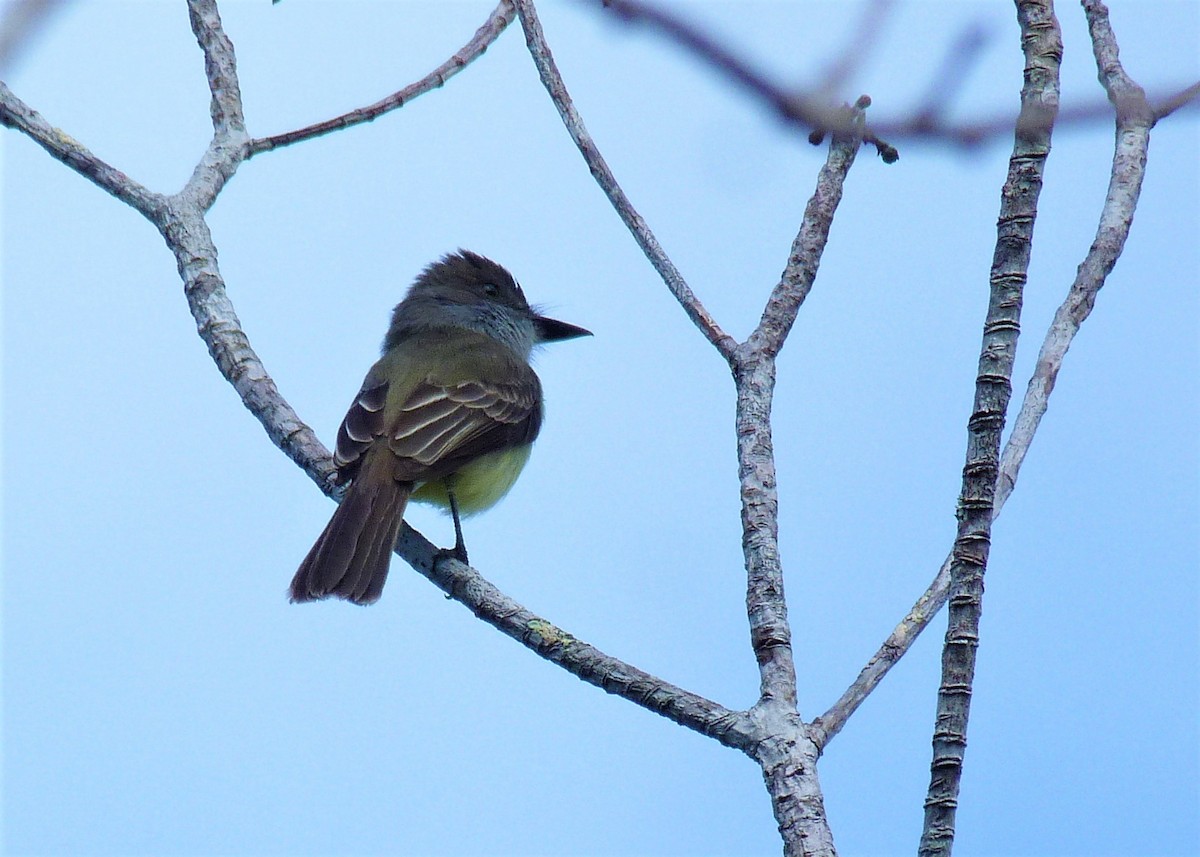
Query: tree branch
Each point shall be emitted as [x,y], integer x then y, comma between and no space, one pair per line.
[1183,98]
[228,146]
[465,585]
[16,114]
[553,82]
[789,761]
[1116,219]
[1135,118]
[1041,42]
[794,285]
[488,32]
[812,110]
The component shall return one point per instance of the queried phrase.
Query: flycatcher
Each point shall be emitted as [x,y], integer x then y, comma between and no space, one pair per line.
[447,416]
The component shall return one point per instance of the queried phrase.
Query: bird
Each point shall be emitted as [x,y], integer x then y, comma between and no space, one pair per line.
[446,416]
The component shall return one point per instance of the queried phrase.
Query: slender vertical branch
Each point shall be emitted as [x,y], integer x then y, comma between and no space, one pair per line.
[1042,44]
[230,143]
[789,757]
[1134,120]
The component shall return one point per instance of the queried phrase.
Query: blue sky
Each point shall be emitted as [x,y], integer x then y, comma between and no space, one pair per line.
[160,696]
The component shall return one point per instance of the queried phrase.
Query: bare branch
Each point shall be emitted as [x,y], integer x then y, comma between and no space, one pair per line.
[1116,219]
[228,147]
[784,303]
[754,375]
[807,110]
[893,649]
[552,80]
[1041,41]
[491,29]
[465,585]
[1184,98]
[810,110]
[789,759]
[1134,120]
[16,114]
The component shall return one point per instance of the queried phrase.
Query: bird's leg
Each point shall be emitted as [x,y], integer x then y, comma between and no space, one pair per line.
[459,551]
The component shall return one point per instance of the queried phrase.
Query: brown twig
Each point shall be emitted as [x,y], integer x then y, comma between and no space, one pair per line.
[1188,96]
[814,114]
[490,30]
[857,50]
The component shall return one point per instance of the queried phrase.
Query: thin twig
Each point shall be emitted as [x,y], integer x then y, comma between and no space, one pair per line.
[487,33]
[553,82]
[1188,96]
[814,115]
[1041,42]
[1116,219]
[812,112]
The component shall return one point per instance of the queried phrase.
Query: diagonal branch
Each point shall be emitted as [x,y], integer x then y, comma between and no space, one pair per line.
[16,114]
[810,109]
[552,80]
[1041,41]
[1185,97]
[801,270]
[487,33]
[1116,219]
[465,585]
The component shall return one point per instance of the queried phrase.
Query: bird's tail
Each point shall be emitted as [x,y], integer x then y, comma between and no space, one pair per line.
[350,559]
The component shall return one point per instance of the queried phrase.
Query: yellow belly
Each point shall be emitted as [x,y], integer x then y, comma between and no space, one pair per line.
[480,484]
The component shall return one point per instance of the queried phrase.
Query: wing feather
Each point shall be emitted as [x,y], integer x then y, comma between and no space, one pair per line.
[441,426]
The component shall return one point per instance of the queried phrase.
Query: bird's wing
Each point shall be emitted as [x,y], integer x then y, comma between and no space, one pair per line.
[363,423]
[441,425]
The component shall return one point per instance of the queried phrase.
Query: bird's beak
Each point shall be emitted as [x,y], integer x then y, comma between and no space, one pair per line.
[552,330]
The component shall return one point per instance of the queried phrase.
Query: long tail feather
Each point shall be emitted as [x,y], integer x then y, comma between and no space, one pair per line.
[350,559]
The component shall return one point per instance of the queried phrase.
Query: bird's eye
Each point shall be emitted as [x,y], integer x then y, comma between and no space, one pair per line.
[491,289]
